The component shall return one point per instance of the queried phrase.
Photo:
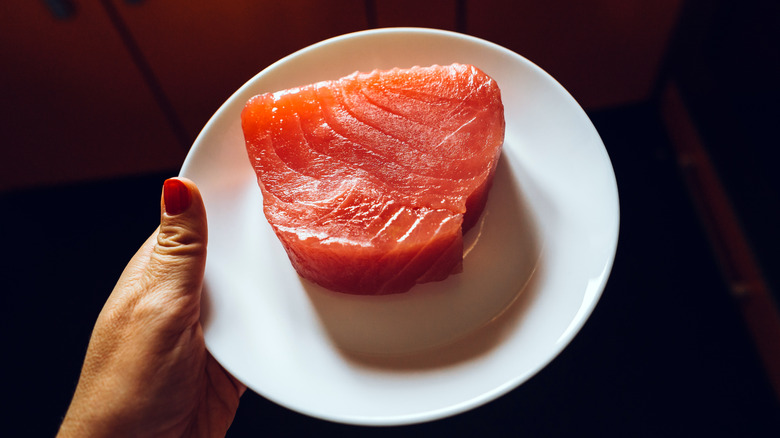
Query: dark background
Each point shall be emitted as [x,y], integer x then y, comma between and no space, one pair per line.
[674,348]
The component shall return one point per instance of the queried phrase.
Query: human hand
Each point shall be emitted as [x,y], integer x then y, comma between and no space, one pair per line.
[147,371]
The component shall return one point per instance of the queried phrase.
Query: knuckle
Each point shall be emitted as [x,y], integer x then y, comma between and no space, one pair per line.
[178,241]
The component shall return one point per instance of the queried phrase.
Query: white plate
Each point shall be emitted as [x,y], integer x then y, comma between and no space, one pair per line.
[535,268]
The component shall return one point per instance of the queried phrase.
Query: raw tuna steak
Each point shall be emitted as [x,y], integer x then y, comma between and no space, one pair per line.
[369,181]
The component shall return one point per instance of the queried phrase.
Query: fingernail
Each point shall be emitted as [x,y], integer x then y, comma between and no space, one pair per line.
[176,196]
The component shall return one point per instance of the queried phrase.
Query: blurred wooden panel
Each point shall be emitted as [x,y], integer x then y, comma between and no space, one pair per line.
[201,51]
[605,52]
[72,104]
[438,14]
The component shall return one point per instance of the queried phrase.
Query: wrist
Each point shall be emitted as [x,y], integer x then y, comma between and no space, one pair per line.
[86,419]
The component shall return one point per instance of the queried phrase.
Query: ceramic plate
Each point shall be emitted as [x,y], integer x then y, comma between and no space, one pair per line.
[534,268]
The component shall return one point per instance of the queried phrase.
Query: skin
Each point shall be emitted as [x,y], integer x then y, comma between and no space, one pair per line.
[147,372]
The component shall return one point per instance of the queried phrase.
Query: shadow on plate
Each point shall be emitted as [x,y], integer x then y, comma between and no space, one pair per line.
[443,323]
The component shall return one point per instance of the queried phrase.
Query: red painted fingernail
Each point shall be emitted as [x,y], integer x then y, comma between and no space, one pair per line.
[176,196]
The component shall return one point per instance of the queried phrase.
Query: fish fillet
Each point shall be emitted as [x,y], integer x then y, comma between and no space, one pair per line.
[370,181]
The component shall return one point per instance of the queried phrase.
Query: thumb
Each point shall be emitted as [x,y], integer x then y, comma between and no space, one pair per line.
[178,258]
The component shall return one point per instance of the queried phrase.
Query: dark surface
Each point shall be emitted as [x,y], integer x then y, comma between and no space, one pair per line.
[725,57]
[665,352]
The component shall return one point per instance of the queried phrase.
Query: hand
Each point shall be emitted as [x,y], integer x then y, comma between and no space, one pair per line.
[147,372]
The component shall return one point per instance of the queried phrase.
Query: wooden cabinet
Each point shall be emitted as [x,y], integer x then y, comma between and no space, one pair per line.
[123,87]
[73,105]
[437,14]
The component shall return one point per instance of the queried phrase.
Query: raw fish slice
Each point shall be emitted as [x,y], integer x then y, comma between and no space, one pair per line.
[369,181]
